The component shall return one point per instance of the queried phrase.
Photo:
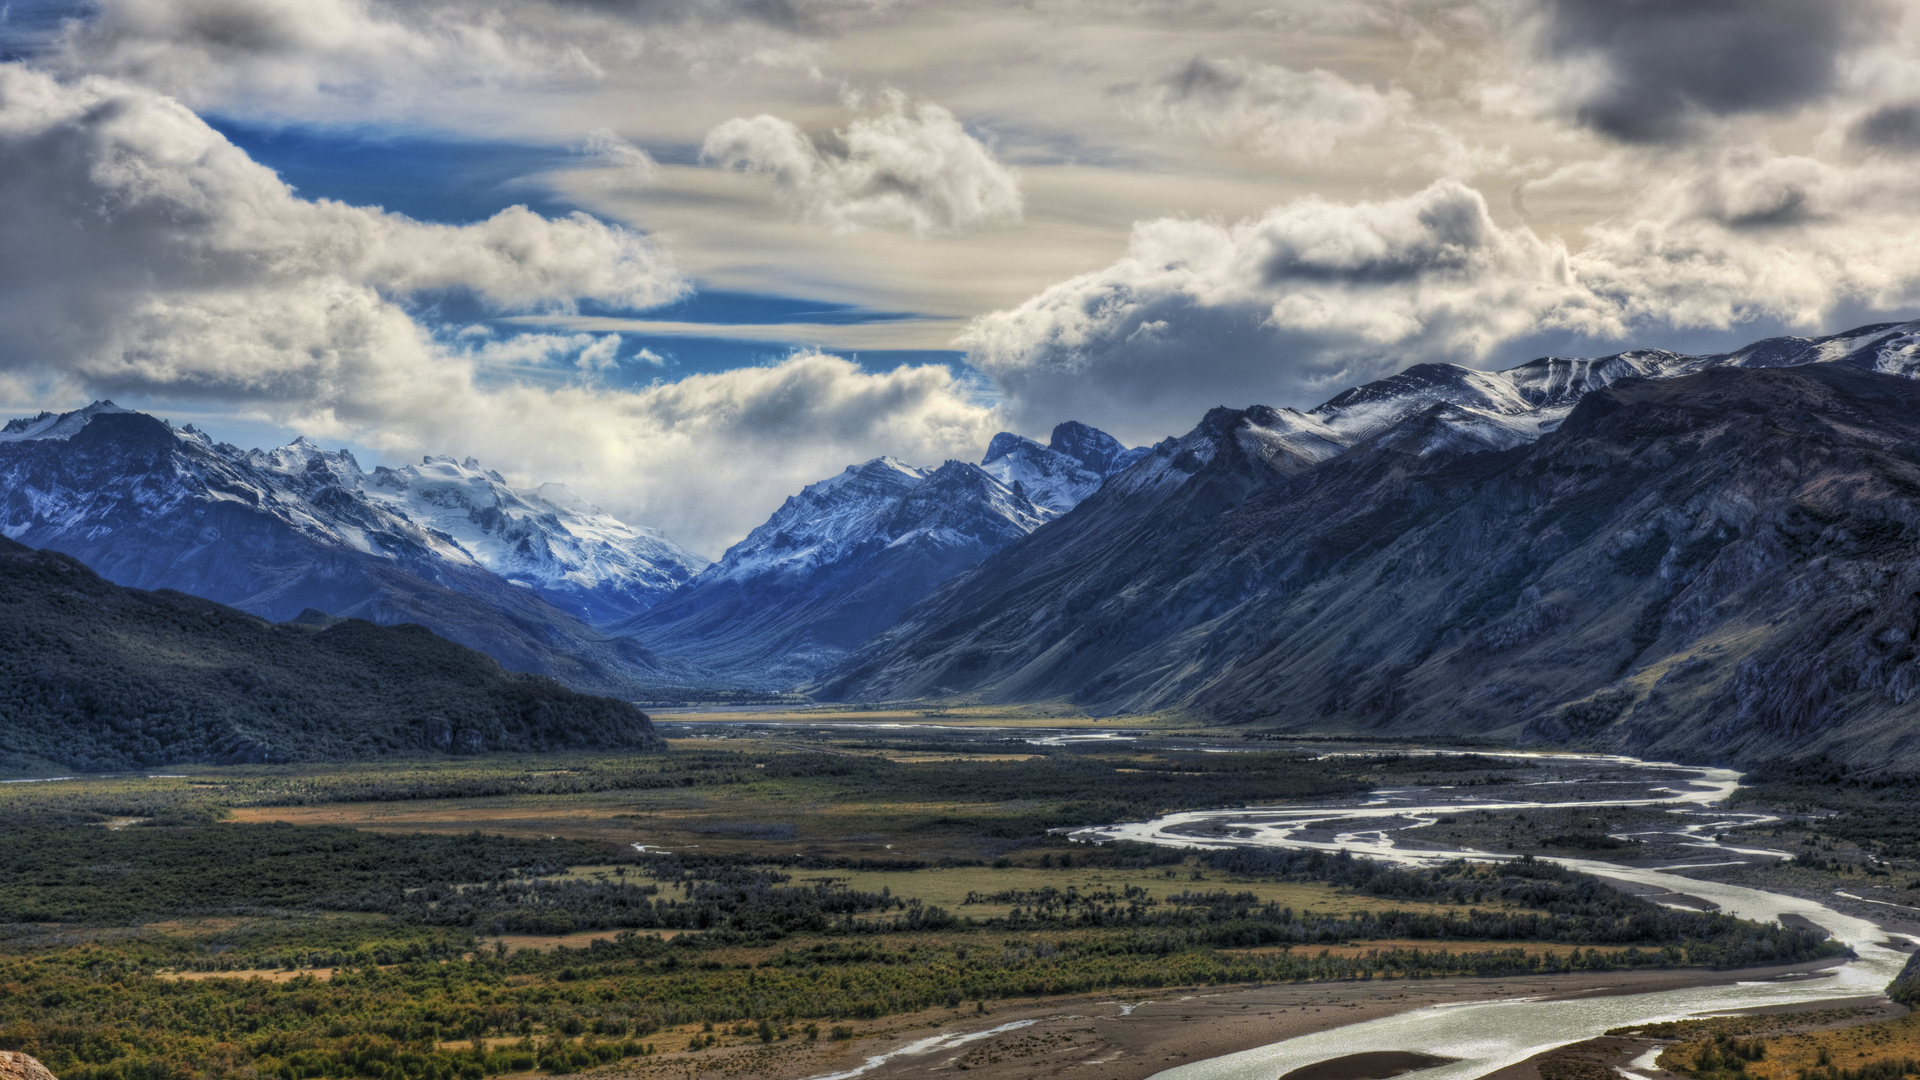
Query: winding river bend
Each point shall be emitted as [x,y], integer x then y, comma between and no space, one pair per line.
[1683,806]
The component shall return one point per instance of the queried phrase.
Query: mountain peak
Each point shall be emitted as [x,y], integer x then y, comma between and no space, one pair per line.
[1090,446]
[1007,443]
[49,425]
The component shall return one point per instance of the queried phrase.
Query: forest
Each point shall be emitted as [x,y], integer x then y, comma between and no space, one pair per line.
[97,677]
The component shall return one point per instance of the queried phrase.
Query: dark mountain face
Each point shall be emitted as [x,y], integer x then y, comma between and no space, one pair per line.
[95,676]
[1091,447]
[1724,565]
[151,507]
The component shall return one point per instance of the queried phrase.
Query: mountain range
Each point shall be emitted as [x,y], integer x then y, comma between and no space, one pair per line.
[840,561]
[1712,556]
[537,578]
[1573,551]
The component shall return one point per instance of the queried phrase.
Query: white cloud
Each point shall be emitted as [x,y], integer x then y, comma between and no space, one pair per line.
[631,164]
[916,169]
[1275,309]
[1314,296]
[147,256]
[1273,109]
[113,188]
[1737,235]
[289,54]
[356,61]
[705,458]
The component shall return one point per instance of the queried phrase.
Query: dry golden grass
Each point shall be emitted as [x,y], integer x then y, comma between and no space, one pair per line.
[678,819]
[1847,1048]
[948,887]
[272,975]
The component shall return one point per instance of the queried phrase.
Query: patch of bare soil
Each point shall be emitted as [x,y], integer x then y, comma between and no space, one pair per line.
[1373,1065]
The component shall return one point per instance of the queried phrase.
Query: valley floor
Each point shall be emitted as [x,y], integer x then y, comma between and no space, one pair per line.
[791,901]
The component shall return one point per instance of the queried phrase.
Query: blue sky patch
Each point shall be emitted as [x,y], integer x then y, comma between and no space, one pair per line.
[427,178]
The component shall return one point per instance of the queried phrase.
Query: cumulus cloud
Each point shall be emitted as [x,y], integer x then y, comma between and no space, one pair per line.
[705,458]
[112,188]
[1646,71]
[1277,111]
[1314,296]
[1747,234]
[905,168]
[290,53]
[147,256]
[1311,295]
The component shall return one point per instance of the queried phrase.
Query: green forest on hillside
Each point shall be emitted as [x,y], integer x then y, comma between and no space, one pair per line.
[95,677]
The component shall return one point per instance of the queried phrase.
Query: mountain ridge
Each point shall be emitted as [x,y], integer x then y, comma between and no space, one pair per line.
[95,676]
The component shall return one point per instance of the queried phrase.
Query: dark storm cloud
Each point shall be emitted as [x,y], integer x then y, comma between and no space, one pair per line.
[1662,65]
[1890,127]
[1200,78]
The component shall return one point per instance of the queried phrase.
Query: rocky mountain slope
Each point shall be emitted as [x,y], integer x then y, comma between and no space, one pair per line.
[1721,561]
[276,532]
[95,676]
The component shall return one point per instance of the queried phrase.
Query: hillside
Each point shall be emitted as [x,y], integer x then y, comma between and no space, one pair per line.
[1721,565]
[95,677]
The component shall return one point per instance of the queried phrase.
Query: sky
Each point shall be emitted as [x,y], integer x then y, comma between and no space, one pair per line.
[688,257]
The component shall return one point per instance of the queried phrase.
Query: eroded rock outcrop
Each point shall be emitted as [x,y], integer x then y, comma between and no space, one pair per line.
[17,1066]
[1905,988]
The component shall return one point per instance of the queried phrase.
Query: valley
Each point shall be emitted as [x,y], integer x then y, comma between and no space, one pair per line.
[912,887]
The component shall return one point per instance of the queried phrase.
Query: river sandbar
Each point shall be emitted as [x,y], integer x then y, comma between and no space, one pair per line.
[1370,1065]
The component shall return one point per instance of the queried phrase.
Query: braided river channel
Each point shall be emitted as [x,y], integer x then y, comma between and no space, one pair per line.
[1682,806]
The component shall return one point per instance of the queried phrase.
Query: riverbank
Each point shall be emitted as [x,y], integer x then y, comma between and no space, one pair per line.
[1134,1036]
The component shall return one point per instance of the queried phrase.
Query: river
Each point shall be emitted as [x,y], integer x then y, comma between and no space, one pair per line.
[1684,804]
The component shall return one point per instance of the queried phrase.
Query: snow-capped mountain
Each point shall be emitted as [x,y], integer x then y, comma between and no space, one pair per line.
[279,531]
[548,538]
[1066,470]
[1497,410]
[834,565]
